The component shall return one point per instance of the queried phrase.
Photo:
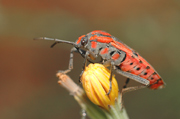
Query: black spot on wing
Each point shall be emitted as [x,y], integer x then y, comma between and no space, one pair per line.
[145,73]
[154,73]
[148,67]
[131,63]
[112,52]
[140,61]
[135,53]
[138,69]
[159,79]
[100,48]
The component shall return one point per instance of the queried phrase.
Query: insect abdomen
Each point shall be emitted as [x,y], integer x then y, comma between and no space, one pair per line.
[143,69]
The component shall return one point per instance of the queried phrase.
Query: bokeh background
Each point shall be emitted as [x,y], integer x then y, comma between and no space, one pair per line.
[28,85]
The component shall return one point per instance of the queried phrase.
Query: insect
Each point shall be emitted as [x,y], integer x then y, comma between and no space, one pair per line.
[113,53]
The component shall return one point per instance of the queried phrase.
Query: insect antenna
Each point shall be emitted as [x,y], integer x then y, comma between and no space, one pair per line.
[56,41]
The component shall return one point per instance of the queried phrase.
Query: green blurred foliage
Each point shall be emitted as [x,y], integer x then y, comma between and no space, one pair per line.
[28,86]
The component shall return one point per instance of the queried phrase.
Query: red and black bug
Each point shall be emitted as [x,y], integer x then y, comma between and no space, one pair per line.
[114,53]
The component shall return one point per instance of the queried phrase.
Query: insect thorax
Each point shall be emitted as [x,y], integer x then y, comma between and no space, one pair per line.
[106,52]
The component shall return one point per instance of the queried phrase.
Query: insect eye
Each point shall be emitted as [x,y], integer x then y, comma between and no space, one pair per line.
[83,42]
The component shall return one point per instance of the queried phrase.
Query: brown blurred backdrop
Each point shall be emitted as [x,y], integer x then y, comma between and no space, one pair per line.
[28,85]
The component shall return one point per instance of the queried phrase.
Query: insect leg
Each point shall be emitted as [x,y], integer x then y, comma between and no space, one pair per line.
[129,89]
[84,65]
[125,90]
[133,77]
[126,82]
[70,61]
[110,78]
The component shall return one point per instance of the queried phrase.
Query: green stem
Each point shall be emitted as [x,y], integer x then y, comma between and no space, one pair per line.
[118,113]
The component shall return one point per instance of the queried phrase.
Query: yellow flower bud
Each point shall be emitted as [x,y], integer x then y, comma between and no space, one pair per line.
[95,80]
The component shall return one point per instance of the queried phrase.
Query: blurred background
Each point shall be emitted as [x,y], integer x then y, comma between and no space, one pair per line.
[28,85]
